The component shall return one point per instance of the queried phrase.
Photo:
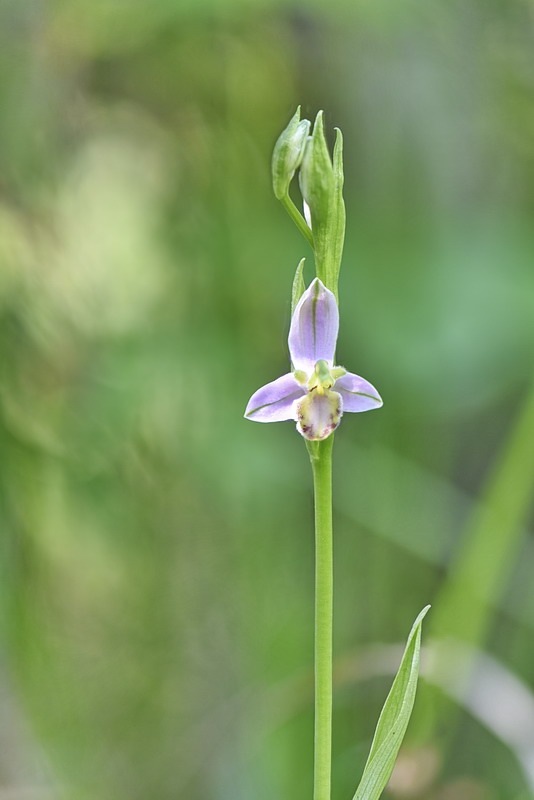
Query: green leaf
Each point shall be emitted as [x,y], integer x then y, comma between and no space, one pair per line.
[393,719]
[299,287]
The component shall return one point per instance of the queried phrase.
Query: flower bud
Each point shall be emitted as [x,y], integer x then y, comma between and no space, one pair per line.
[321,185]
[288,153]
[317,174]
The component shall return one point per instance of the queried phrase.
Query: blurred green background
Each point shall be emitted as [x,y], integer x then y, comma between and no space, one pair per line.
[156,550]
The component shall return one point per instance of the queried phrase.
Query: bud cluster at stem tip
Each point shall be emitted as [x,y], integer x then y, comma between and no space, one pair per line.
[321,185]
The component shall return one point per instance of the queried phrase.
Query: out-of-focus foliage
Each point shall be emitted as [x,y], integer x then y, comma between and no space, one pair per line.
[156,558]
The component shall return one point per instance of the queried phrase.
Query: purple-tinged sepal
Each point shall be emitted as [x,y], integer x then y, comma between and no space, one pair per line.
[275,402]
[357,393]
[314,328]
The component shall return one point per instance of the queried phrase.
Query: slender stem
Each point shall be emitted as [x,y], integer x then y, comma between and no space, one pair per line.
[321,460]
[297,218]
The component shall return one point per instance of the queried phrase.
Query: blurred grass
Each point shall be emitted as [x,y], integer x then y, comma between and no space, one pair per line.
[156,562]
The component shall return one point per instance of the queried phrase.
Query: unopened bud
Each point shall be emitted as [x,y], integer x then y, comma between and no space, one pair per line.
[288,153]
[321,185]
[317,175]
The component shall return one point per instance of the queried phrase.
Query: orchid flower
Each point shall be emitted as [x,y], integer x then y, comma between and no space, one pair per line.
[316,393]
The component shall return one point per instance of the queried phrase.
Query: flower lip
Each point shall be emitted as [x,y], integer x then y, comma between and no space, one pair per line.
[319,414]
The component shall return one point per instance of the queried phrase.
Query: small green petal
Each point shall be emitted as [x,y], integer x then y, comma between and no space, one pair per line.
[338,372]
[300,376]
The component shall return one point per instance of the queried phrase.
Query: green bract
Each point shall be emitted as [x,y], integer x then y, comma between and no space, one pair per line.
[299,287]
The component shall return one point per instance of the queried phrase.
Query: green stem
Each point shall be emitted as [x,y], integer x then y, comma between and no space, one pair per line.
[297,218]
[321,460]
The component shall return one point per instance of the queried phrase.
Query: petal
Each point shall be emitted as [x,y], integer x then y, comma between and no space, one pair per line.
[274,402]
[357,393]
[318,415]
[314,327]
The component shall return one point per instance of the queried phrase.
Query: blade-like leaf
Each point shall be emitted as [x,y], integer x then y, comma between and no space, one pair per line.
[393,720]
[299,287]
